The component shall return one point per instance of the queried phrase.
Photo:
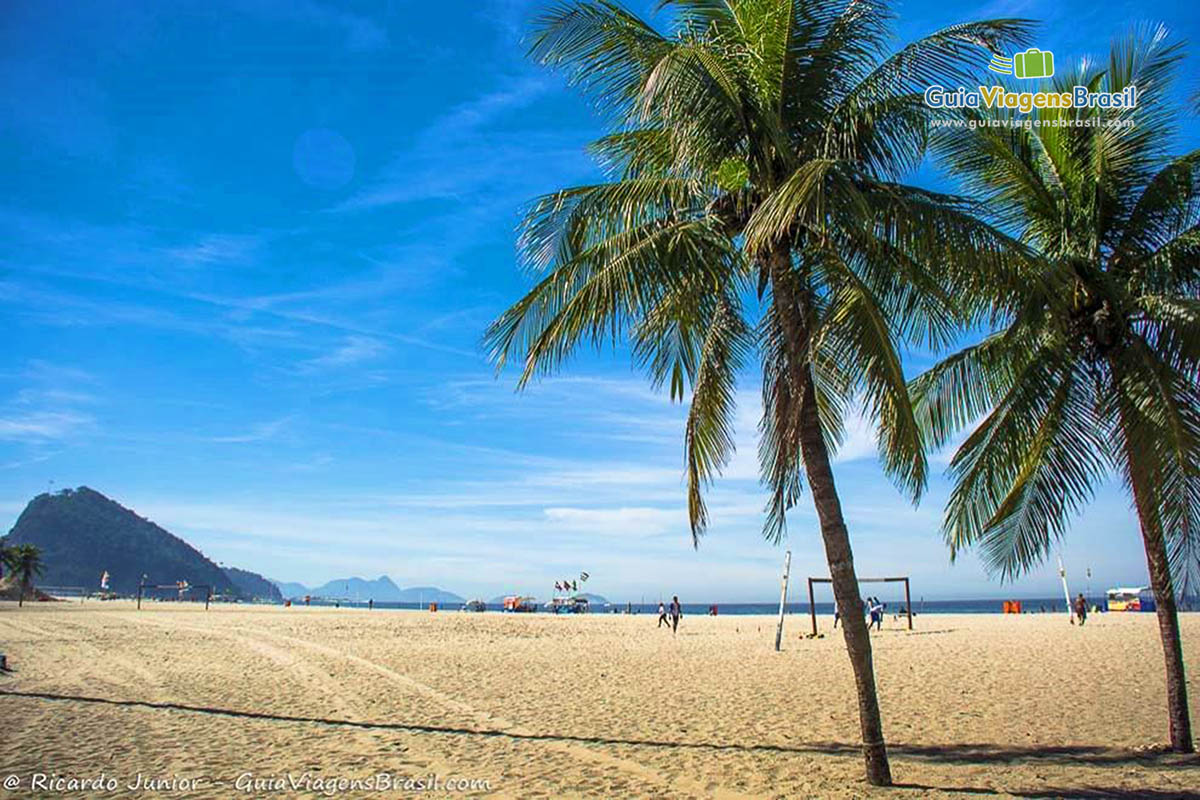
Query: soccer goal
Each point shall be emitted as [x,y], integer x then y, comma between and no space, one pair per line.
[178,592]
[812,604]
[64,592]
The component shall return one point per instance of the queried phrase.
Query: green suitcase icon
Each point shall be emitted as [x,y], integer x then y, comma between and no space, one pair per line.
[1033,63]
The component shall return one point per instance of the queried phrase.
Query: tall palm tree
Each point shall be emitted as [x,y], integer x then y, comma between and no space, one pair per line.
[5,555]
[1095,364]
[26,562]
[753,161]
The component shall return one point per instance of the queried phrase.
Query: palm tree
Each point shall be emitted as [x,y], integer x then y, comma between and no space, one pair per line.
[5,555]
[1094,367]
[26,562]
[753,158]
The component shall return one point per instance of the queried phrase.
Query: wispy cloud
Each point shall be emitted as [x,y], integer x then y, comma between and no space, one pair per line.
[351,351]
[464,154]
[40,426]
[262,432]
[216,249]
[49,406]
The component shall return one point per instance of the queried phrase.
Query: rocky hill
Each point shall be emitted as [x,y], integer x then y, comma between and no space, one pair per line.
[82,534]
[252,585]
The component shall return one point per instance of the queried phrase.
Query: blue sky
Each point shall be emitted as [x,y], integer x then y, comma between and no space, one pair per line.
[247,251]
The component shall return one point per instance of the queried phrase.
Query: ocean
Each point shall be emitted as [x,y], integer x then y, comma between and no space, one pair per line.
[988,606]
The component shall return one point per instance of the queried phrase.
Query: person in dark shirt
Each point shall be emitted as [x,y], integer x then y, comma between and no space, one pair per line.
[1081,609]
[676,613]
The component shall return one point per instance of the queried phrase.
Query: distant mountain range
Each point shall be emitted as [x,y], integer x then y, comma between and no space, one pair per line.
[83,534]
[381,590]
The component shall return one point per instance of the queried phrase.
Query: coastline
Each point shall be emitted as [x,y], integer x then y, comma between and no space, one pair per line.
[594,705]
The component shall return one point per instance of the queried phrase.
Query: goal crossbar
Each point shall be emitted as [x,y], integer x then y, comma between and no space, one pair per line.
[191,586]
[812,605]
[64,592]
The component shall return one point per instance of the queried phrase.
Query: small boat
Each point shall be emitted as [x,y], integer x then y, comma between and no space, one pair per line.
[475,605]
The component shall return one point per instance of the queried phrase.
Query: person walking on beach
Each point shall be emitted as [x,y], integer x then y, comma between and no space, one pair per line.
[676,613]
[662,614]
[837,614]
[1081,608]
[876,614]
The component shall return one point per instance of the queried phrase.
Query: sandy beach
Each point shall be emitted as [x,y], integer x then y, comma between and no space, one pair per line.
[238,700]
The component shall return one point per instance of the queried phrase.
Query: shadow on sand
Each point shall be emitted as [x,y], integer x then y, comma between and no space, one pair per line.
[939,754]
[1067,793]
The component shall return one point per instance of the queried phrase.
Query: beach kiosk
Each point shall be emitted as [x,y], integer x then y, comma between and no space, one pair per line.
[569,605]
[517,604]
[1131,598]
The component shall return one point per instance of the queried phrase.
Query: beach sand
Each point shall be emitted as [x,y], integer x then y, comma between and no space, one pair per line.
[591,706]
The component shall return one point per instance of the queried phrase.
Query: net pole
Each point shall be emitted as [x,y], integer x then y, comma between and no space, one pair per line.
[787,565]
[812,607]
[1062,573]
[908,603]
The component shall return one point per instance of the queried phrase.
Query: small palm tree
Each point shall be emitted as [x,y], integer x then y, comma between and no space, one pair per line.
[1095,366]
[5,555]
[756,150]
[25,560]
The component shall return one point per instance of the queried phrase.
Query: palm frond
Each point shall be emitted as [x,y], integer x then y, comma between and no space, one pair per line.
[603,48]
[709,434]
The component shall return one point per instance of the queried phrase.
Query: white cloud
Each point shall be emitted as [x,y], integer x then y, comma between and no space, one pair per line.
[624,522]
[43,425]
[352,350]
[459,156]
[264,431]
[216,249]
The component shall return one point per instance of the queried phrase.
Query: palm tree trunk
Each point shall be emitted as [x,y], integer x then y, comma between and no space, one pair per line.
[845,586]
[792,305]
[1168,618]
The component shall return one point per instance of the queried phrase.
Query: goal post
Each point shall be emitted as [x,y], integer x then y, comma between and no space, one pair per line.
[64,592]
[812,605]
[182,588]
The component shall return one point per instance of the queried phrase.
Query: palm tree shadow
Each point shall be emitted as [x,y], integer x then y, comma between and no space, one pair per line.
[988,753]
[978,753]
[1067,793]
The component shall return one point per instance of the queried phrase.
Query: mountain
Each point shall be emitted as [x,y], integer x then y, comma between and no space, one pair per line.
[82,533]
[252,585]
[381,590]
[290,589]
[429,594]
